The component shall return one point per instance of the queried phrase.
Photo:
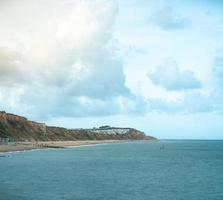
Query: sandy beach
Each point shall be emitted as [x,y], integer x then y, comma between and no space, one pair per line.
[22,146]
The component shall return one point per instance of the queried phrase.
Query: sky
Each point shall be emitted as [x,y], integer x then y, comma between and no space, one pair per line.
[152,65]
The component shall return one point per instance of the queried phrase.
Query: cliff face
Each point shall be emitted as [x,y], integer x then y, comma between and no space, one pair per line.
[18,128]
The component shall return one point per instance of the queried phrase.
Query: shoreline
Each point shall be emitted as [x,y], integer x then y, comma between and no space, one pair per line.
[25,146]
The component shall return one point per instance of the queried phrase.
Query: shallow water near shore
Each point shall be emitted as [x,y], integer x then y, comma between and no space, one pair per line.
[190,170]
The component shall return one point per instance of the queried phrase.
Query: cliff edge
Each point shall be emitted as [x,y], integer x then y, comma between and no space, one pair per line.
[18,128]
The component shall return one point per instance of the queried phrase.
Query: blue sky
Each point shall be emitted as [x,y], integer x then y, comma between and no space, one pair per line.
[153,65]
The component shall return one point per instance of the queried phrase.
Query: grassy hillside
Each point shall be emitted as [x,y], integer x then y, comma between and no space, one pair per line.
[18,128]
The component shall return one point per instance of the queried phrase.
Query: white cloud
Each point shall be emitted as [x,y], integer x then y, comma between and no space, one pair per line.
[167,19]
[11,67]
[66,63]
[171,78]
[218,69]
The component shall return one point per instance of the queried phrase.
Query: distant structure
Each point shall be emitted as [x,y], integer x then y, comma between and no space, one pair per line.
[105,127]
[4,139]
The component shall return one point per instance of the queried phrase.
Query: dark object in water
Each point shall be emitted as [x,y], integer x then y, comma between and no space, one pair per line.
[54,147]
[162,147]
[3,156]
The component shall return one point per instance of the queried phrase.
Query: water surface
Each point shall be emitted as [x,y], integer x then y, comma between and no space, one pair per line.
[179,170]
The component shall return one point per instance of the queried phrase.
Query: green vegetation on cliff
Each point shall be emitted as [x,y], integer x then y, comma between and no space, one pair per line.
[18,128]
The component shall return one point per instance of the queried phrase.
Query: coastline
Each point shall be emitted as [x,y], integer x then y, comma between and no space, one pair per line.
[24,146]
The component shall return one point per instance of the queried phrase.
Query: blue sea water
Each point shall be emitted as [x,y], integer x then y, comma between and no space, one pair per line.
[165,170]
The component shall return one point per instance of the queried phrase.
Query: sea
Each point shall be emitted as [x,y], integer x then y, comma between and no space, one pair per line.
[144,170]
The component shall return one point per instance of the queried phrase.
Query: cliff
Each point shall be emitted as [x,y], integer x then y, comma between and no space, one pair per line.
[19,128]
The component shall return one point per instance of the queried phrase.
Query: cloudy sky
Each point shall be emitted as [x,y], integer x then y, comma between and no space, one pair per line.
[153,65]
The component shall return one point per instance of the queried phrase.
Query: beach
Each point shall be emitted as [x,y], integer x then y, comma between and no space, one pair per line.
[22,146]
